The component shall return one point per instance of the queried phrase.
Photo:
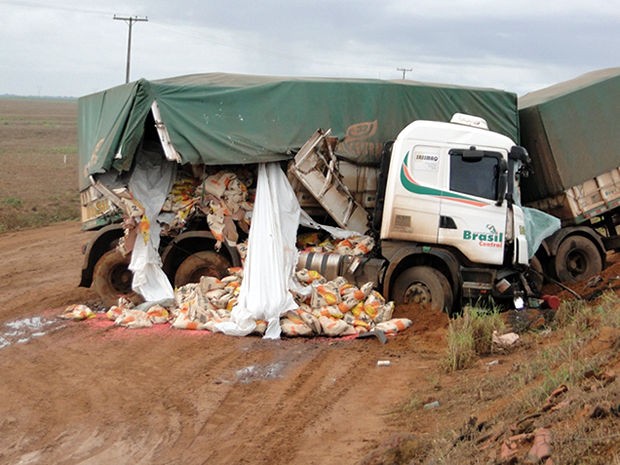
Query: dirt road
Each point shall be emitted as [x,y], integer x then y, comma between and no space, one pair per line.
[91,393]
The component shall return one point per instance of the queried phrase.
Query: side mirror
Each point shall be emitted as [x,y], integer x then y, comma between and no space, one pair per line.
[519,153]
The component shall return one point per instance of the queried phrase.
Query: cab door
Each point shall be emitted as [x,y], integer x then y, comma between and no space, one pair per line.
[472,219]
[413,193]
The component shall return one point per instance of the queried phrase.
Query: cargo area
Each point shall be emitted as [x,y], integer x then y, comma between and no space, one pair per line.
[226,119]
[571,132]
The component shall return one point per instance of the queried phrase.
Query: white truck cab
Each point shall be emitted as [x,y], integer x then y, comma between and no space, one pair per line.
[451,224]
[447,185]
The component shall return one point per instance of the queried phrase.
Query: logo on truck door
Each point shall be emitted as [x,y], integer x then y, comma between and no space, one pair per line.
[489,238]
[410,184]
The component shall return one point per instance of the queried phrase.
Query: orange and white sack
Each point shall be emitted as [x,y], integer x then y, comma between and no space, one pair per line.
[193,309]
[310,320]
[158,315]
[224,201]
[306,276]
[183,322]
[325,294]
[117,310]
[335,327]
[114,312]
[355,245]
[293,325]
[394,325]
[133,318]
[77,312]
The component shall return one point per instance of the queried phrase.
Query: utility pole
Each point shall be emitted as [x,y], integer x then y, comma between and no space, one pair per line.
[130,20]
[404,70]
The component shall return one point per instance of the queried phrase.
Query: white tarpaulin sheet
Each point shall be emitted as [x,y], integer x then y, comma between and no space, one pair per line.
[271,259]
[150,182]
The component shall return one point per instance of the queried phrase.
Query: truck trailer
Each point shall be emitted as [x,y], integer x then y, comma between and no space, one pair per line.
[571,133]
[402,162]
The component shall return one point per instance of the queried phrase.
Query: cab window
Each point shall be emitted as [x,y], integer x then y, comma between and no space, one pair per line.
[474,176]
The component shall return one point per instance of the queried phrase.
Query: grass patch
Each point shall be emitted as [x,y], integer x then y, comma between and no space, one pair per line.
[63,150]
[39,175]
[471,336]
[14,202]
[609,309]
[583,317]
[19,216]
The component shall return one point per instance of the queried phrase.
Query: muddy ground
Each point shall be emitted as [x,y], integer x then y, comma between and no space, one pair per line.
[91,393]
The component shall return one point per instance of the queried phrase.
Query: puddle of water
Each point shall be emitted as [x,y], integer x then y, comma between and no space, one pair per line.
[23,330]
[253,373]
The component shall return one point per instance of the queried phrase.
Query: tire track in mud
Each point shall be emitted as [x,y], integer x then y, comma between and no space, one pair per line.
[230,405]
[278,415]
[195,397]
[319,411]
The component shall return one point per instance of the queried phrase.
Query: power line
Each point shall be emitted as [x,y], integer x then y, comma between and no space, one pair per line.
[404,70]
[130,20]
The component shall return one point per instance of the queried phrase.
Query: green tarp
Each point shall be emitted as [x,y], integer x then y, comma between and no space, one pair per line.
[571,132]
[238,119]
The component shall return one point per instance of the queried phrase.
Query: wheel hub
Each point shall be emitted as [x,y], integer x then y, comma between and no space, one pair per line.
[121,279]
[418,293]
[576,263]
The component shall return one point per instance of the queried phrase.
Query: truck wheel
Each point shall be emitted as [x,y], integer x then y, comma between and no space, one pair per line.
[203,263]
[577,259]
[112,278]
[425,286]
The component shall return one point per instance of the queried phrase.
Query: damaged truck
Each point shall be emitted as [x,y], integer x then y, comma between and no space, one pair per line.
[428,175]
[571,132]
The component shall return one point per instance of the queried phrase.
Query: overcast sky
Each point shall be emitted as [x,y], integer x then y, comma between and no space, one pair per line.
[75,47]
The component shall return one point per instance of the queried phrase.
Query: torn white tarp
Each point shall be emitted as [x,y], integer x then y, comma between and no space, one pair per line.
[150,182]
[270,263]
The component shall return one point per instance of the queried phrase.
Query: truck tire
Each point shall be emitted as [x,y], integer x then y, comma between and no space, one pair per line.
[577,259]
[424,286]
[112,278]
[203,263]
